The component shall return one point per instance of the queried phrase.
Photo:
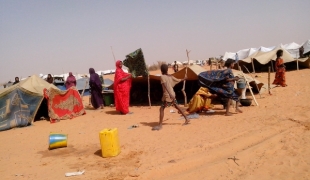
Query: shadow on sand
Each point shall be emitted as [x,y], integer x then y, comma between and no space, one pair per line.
[152,124]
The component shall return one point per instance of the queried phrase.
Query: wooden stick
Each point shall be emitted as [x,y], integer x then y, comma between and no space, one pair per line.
[253,65]
[254,81]
[239,66]
[84,89]
[269,80]
[113,54]
[148,90]
[183,89]
[297,64]
[250,89]
[272,66]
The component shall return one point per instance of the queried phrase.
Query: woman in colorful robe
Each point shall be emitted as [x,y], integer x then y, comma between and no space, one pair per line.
[201,101]
[95,85]
[122,85]
[280,70]
[221,82]
[71,81]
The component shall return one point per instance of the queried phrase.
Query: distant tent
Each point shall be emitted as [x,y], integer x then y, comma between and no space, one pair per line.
[178,63]
[20,103]
[306,46]
[228,55]
[191,62]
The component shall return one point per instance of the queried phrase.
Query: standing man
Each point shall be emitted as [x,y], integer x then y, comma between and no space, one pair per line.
[175,67]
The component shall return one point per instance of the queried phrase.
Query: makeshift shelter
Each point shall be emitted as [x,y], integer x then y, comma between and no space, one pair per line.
[20,103]
[262,57]
[139,89]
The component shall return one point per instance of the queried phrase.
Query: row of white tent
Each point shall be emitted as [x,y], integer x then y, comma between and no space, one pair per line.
[80,76]
[264,54]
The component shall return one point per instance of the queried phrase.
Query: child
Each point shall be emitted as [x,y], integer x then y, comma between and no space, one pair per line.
[168,99]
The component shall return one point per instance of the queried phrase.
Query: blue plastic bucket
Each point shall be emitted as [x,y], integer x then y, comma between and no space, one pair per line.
[57,140]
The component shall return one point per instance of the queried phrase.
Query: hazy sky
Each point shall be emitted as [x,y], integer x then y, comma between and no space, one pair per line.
[56,36]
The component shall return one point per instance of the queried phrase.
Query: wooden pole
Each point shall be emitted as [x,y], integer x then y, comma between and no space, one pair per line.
[113,54]
[211,64]
[250,89]
[254,81]
[148,91]
[253,65]
[183,89]
[272,66]
[84,89]
[297,64]
[269,80]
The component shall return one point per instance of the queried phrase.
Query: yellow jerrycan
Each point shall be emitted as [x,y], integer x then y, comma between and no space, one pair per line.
[109,142]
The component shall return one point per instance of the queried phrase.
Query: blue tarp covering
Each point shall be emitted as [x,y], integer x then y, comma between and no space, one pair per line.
[18,108]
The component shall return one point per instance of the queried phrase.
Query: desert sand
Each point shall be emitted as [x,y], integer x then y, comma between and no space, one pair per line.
[269,141]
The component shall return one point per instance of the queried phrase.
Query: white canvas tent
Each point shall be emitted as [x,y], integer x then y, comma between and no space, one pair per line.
[265,55]
[306,46]
[228,55]
[191,62]
[178,63]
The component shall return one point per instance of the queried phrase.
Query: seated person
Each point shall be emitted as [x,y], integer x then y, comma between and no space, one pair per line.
[221,82]
[201,101]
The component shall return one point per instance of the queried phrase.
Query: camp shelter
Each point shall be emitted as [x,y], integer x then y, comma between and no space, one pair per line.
[20,103]
[139,89]
[306,46]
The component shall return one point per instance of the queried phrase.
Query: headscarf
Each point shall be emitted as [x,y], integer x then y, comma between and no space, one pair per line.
[94,80]
[50,79]
[71,81]
[16,81]
[119,73]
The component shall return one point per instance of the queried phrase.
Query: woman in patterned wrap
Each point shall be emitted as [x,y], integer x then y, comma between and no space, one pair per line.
[122,85]
[95,89]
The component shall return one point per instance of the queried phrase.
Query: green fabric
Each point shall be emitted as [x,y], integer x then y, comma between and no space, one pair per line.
[136,64]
